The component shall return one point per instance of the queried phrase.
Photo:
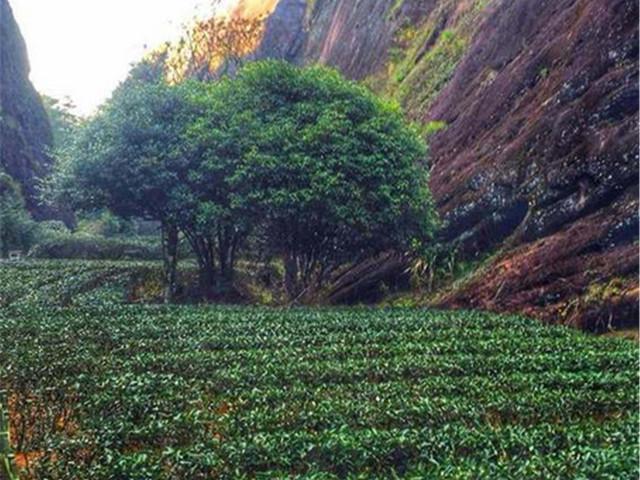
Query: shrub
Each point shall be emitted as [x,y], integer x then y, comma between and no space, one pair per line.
[93,247]
[17,228]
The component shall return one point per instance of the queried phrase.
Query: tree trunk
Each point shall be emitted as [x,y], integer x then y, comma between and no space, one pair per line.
[170,260]
[206,280]
[291,277]
[206,266]
[4,253]
[225,279]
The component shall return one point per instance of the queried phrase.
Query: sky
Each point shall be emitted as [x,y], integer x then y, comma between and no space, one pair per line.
[82,49]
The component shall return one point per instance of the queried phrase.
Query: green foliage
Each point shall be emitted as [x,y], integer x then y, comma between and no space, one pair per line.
[334,173]
[190,392]
[311,8]
[431,128]
[217,217]
[95,247]
[317,167]
[431,265]
[128,157]
[104,223]
[69,281]
[56,283]
[423,58]
[543,72]
[131,159]
[99,236]
[49,228]
[17,229]
[64,123]
[439,266]
[603,297]
[8,469]
[419,85]
[395,8]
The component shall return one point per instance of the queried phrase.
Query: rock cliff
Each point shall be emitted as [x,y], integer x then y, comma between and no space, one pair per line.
[531,109]
[25,133]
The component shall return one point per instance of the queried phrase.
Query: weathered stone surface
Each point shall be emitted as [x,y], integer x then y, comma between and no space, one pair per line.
[25,133]
[542,161]
[585,274]
[351,36]
[539,157]
[284,35]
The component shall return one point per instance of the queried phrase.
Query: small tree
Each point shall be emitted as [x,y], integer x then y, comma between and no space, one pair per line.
[64,123]
[335,172]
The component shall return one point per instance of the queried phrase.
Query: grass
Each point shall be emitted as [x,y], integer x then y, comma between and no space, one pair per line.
[421,80]
[107,390]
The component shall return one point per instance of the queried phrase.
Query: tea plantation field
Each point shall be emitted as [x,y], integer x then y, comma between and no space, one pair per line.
[111,391]
[47,283]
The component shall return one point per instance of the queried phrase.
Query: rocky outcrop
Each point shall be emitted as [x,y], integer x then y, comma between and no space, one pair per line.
[540,159]
[351,36]
[284,35]
[25,133]
[531,108]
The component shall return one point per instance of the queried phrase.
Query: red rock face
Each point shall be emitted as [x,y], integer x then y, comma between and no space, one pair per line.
[539,158]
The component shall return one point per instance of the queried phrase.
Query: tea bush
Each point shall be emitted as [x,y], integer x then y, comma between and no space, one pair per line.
[109,391]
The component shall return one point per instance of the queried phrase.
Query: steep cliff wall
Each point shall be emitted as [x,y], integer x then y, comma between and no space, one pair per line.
[540,159]
[25,133]
[531,108]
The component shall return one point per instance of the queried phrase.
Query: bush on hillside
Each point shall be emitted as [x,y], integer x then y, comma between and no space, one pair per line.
[17,228]
[93,247]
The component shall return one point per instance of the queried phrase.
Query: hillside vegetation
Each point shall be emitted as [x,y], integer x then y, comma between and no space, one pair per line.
[65,283]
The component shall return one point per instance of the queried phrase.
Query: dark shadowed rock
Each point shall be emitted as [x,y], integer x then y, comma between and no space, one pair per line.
[25,133]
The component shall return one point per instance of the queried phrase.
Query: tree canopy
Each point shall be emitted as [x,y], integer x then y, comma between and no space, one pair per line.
[335,172]
[130,158]
[313,168]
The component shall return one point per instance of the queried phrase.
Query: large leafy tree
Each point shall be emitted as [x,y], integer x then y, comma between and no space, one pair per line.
[130,159]
[334,173]
[316,168]
[145,156]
